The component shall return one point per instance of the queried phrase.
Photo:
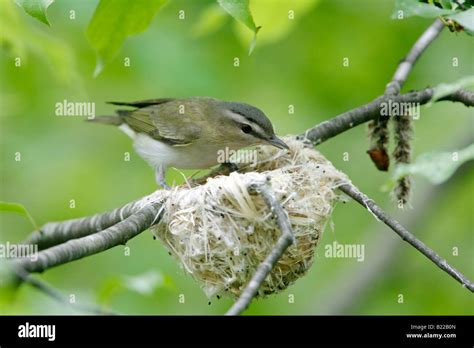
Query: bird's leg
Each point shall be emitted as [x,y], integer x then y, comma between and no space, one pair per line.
[160,171]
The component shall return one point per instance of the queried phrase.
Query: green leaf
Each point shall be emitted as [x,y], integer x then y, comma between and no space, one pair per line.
[144,284]
[24,41]
[444,89]
[448,4]
[19,209]
[285,16]
[36,8]
[437,167]
[466,19]
[409,8]
[239,9]
[114,21]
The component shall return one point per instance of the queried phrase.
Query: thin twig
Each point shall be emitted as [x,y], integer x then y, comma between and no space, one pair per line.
[461,5]
[56,295]
[366,202]
[285,240]
[354,285]
[406,65]
[353,282]
[92,244]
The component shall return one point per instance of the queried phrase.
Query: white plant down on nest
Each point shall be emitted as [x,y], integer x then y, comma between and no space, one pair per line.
[220,233]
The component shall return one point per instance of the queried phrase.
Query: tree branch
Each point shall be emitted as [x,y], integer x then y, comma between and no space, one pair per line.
[286,239]
[369,204]
[92,244]
[406,65]
[354,285]
[56,295]
[370,111]
[54,233]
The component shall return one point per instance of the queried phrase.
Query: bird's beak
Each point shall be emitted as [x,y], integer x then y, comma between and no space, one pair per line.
[277,142]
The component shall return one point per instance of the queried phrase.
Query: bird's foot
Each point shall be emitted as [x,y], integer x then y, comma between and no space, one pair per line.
[160,178]
[165,186]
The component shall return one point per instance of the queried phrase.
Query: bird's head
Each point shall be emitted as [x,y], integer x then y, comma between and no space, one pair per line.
[247,125]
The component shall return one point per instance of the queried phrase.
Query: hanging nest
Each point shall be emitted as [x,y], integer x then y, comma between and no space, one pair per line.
[220,232]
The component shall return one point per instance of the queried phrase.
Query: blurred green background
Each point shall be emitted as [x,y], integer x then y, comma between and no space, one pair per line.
[64,158]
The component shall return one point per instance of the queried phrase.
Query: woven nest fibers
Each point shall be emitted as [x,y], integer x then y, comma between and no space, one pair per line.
[220,232]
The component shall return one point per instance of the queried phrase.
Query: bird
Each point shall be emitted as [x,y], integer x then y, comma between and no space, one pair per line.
[188,133]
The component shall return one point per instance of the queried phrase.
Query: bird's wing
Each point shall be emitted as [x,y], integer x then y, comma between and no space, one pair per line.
[144,103]
[161,124]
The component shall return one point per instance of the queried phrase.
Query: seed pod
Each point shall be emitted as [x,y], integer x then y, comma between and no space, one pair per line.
[402,154]
[378,136]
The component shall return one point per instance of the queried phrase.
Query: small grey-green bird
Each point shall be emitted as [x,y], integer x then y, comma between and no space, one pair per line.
[188,133]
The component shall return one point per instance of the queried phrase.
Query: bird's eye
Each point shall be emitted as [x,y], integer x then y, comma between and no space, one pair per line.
[246,128]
